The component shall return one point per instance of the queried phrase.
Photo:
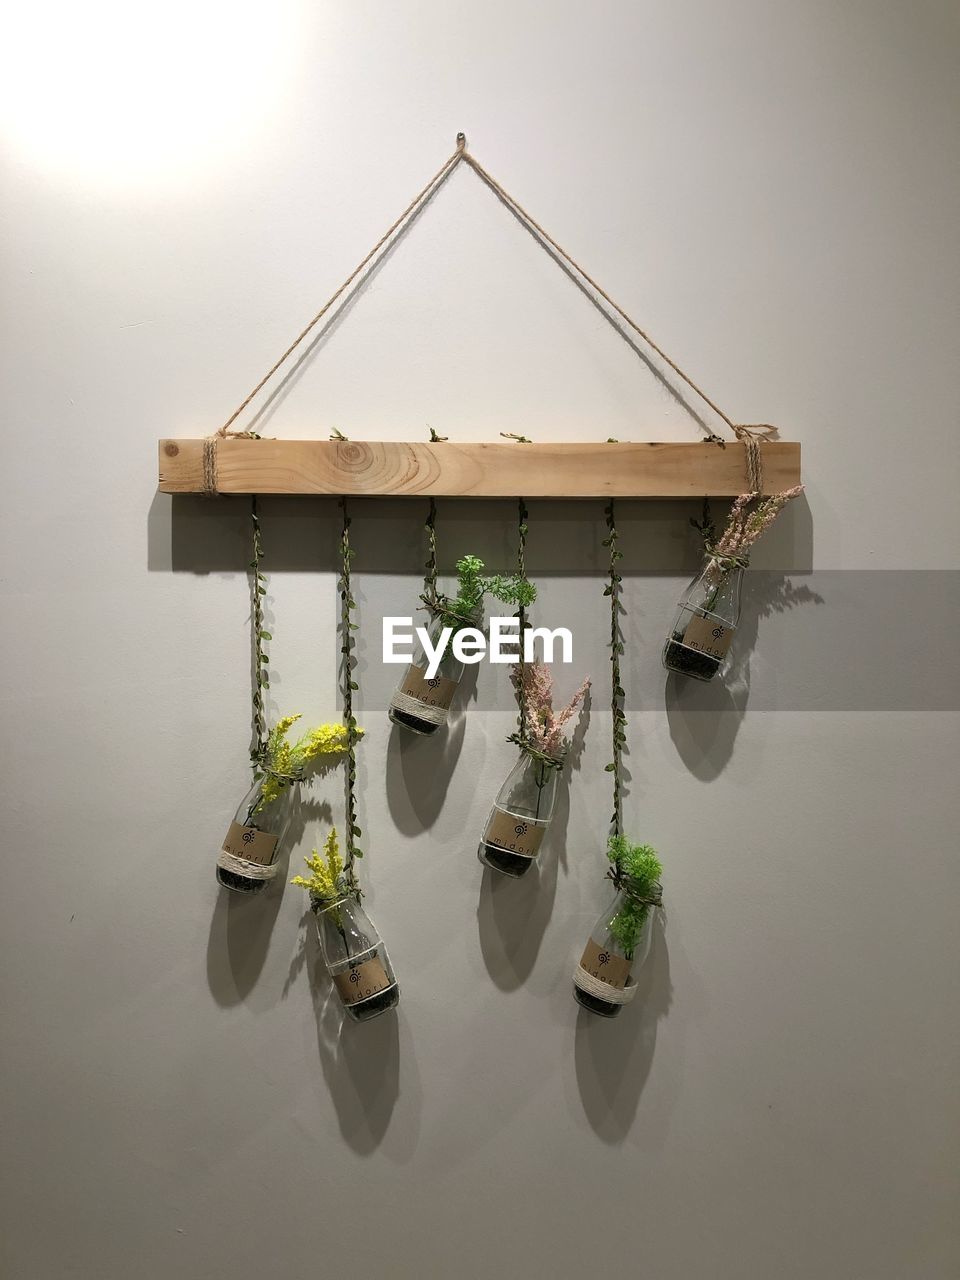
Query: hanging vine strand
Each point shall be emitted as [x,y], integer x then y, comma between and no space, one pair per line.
[521,616]
[261,661]
[349,687]
[619,719]
[430,577]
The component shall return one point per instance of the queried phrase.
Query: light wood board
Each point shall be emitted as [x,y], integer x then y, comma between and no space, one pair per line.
[452,470]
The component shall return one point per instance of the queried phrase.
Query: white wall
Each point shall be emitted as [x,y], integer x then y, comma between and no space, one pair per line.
[772,187]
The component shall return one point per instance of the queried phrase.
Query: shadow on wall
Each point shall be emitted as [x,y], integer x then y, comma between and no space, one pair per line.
[613,1056]
[361,1063]
[419,768]
[240,931]
[188,533]
[242,924]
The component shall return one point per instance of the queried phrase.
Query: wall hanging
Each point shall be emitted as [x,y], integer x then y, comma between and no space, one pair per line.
[605,978]
[352,949]
[750,467]
[254,841]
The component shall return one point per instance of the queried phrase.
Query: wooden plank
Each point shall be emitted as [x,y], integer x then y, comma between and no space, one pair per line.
[449,470]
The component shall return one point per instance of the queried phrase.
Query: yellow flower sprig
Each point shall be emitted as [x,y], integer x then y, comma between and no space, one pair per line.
[325,871]
[282,759]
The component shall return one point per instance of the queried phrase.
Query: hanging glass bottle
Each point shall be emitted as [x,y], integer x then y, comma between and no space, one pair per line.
[353,950]
[355,957]
[709,610]
[520,816]
[420,702]
[705,622]
[605,979]
[248,856]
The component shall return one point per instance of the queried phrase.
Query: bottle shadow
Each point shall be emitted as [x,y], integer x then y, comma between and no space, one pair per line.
[704,717]
[512,917]
[242,925]
[613,1056]
[360,1061]
[239,939]
[419,769]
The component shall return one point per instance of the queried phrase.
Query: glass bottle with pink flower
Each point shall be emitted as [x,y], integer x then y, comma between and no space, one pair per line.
[521,813]
[709,610]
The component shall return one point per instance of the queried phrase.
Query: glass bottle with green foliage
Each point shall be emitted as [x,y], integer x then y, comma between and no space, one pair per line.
[619,942]
[421,702]
[353,950]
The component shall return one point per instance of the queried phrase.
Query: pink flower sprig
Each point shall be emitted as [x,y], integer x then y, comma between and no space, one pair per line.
[744,526]
[542,726]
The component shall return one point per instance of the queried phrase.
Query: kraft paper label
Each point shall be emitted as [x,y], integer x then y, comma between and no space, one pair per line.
[248,842]
[605,965]
[361,981]
[437,692]
[517,835]
[709,636]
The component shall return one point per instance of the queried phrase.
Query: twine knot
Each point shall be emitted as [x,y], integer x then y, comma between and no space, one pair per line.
[650,896]
[723,561]
[542,757]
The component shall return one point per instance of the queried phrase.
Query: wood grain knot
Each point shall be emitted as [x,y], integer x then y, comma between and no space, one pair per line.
[170,449]
[352,454]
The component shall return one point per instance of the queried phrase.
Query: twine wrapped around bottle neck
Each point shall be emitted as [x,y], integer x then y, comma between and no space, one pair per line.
[347,889]
[651,895]
[262,763]
[725,563]
[542,757]
[441,610]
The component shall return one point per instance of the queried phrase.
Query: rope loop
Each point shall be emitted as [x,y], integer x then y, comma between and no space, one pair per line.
[741,432]
[724,562]
[210,466]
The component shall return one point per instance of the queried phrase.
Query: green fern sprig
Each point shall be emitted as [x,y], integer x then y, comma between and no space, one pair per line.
[473,585]
[637,869]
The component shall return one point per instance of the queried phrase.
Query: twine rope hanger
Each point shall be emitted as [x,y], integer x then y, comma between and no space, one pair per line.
[750,435]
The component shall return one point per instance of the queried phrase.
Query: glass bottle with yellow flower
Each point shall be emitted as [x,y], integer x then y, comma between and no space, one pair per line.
[353,950]
[248,856]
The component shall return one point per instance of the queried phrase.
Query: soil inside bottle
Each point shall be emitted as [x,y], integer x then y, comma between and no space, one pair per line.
[364,1010]
[414,723]
[689,662]
[605,1008]
[239,884]
[511,864]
